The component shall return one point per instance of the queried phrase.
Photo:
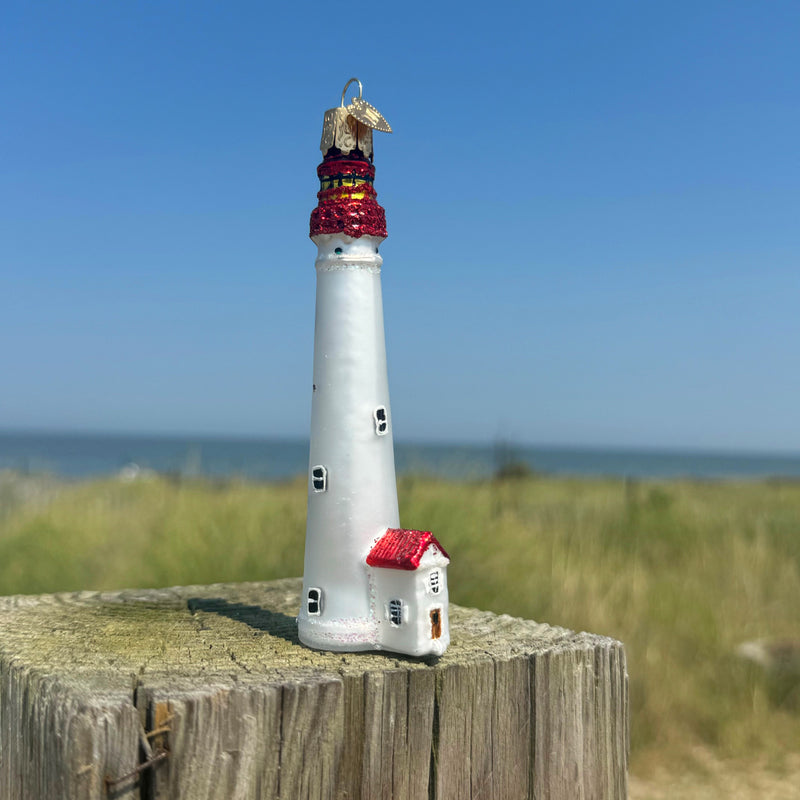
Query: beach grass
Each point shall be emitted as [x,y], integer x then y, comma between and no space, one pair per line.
[681,572]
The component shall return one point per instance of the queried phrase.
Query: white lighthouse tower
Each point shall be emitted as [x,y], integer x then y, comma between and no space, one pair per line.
[368,584]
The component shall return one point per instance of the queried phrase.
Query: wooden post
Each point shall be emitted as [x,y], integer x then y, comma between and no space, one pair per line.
[204,693]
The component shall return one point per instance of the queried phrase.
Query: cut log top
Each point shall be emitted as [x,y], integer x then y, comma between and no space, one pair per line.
[224,633]
[242,709]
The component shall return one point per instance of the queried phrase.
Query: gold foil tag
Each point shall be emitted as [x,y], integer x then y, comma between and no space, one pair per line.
[368,115]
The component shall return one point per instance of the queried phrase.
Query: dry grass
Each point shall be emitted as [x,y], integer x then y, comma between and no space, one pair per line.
[681,572]
[715,779]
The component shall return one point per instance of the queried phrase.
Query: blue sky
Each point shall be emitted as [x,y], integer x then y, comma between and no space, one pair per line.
[593,216]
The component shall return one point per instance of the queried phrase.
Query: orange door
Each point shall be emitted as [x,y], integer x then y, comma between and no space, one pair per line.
[436,623]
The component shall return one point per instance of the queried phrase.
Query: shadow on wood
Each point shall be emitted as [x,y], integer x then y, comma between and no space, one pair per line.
[261,619]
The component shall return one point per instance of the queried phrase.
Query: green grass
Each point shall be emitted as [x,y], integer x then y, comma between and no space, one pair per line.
[680,572]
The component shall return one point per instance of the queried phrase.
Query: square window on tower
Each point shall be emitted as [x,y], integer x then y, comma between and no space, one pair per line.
[319,478]
[314,602]
[381,420]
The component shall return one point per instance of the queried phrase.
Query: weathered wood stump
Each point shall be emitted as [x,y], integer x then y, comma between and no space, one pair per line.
[202,692]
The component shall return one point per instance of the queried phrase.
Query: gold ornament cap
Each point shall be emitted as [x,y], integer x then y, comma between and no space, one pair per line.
[350,127]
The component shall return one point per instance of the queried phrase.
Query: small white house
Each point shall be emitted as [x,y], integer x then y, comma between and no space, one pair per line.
[408,583]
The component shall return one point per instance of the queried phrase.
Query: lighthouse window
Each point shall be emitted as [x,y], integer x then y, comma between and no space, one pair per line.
[314,602]
[396,612]
[338,251]
[434,581]
[381,420]
[319,478]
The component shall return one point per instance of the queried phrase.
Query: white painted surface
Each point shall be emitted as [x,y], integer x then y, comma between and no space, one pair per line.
[413,636]
[360,502]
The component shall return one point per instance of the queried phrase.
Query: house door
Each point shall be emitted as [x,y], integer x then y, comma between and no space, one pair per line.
[436,623]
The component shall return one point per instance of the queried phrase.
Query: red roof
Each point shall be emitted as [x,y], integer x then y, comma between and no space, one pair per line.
[401,549]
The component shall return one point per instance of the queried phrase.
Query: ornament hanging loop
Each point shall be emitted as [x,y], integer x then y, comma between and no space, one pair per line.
[360,89]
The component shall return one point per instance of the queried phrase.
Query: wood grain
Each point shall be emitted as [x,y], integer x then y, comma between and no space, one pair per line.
[94,684]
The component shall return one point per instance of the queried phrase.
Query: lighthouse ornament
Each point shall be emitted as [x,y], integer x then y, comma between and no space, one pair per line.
[368,584]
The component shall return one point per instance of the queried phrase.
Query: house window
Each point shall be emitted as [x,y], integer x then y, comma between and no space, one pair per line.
[319,478]
[396,612]
[435,581]
[314,602]
[381,420]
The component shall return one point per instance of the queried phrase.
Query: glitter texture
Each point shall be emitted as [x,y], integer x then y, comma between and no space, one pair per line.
[347,203]
[402,549]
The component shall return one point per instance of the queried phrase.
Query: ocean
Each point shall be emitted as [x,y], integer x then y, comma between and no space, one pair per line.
[74,456]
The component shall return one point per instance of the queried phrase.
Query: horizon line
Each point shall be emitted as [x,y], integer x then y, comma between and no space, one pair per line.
[497,442]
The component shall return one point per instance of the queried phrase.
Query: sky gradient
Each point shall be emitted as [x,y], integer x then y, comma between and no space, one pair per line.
[593,214]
